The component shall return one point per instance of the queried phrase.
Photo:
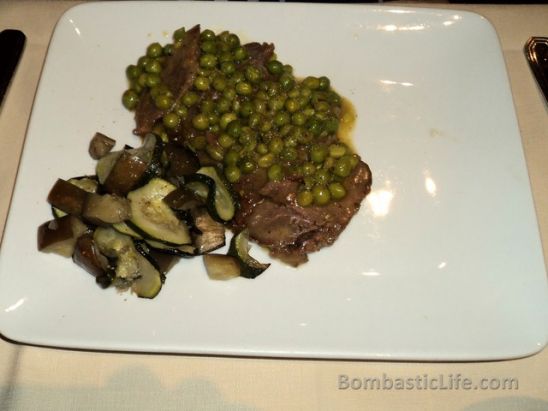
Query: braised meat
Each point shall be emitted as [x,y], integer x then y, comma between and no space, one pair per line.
[289,231]
[178,75]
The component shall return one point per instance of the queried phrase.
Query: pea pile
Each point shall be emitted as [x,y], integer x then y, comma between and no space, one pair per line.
[248,116]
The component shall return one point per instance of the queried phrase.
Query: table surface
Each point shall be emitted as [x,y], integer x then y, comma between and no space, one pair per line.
[44,378]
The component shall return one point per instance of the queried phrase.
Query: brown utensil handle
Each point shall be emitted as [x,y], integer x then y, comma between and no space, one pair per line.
[536,51]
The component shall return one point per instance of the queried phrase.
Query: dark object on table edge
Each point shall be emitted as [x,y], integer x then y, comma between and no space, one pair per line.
[536,51]
[12,43]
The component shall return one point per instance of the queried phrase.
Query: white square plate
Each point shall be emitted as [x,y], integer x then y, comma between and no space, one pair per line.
[442,262]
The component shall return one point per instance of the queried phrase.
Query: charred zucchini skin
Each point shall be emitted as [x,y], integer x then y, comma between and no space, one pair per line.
[239,249]
[221,201]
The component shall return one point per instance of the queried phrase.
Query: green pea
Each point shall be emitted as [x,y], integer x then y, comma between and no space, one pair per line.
[233,174]
[260,106]
[291,105]
[225,56]
[248,166]
[215,151]
[286,129]
[200,122]
[303,136]
[254,121]
[201,83]
[298,118]
[213,118]
[309,112]
[224,48]
[223,37]
[244,89]
[142,62]
[343,167]
[246,109]
[229,93]
[153,66]
[275,172]
[287,81]
[181,111]
[276,103]
[262,148]
[334,99]
[190,98]
[328,163]
[132,72]
[163,102]
[288,69]
[246,137]
[308,169]
[240,53]
[276,145]
[331,125]
[289,154]
[179,34]
[311,82]
[208,61]
[273,89]
[231,157]
[219,83]
[321,106]
[168,50]
[253,74]
[305,198]
[322,176]
[337,150]
[266,160]
[306,92]
[130,99]
[233,40]
[266,125]
[314,126]
[223,105]
[171,120]
[142,80]
[337,191]
[208,106]
[261,95]
[354,160]
[154,50]
[207,35]
[208,46]
[234,128]
[324,83]
[226,119]
[236,105]
[318,154]
[294,92]
[282,118]
[152,80]
[291,141]
[228,67]
[274,67]
[322,196]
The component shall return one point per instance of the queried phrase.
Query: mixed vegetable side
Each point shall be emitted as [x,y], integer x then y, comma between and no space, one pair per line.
[143,210]
[171,198]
